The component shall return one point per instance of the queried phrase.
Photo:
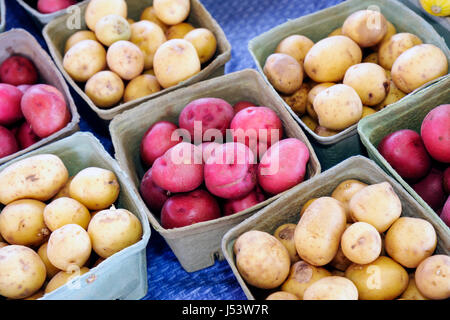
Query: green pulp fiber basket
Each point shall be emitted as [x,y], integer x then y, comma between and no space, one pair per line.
[404,114]
[316,26]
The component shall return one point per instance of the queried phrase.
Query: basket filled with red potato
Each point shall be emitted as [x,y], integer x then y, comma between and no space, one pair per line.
[36,106]
[206,157]
[126,52]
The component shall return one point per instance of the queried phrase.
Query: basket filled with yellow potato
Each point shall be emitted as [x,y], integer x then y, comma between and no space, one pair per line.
[69,214]
[125,52]
[331,72]
[326,240]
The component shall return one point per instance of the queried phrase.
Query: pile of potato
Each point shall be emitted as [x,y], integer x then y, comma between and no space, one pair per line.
[121,60]
[349,246]
[54,227]
[357,70]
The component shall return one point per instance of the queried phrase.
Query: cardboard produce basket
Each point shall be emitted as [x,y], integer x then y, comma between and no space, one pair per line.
[287,209]
[197,246]
[2,15]
[57,32]
[124,274]
[41,19]
[316,26]
[404,114]
[20,42]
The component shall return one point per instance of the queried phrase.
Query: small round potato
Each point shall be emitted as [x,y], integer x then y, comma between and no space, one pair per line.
[97,9]
[361,243]
[284,73]
[298,100]
[325,132]
[141,86]
[329,58]
[391,30]
[175,61]
[285,234]
[411,292]
[372,58]
[367,204]
[261,259]
[126,59]
[148,36]
[331,288]
[297,46]
[310,122]
[69,247]
[340,261]
[172,11]
[345,191]
[51,269]
[306,205]
[394,94]
[22,223]
[383,279]
[84,59]
[204,42]
[433,277]
[64,191]
[178,31]
[105,89]
[149,15]
[312,94]
[22,272]
[390,50]
[64,211]
[79,36]
[417,66]
[409,241]
[301,276]
[112,28]
[365,27]
[367,112]
[63,277]
[39,294]
[336,32]
[370,82]
[338,107]
[113,230]
[282,295]
[96,188]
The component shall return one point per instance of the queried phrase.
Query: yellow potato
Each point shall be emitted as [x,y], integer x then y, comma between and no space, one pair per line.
[391,30]
[149,15]
[433,277]
[36,296]
[126,59]
[285,234]
[84,59]
[282,295]
[69,247]
[383,279]
[114,230]
[367,111]
[98,261]
[340,261]
[148,36]
[409,241]
[261,259]
[79,36]
[310,122]
[367,204]
[64,211]
[297,46]
[51,269]
[329,58]
[417,66]
[336,32]
[331,288]
[394,94]
[130,21]
[345,191]
[312,94]
[365,27]
[298,100]
[411,292]
[361,243]
[96,188]
[175,61]
[105,89]
[319,231]
[325,132]
[3,244]
[370,82]
[22,223]
[97,9]
[63,277]
[338,107]
[372,58]
[306,205]
[204,42]
[390,50]
[301,276]
[64,191]
[22,272]
[284,73]
[172,11]
[112,28]
[150,72]
[141,86]
[178,31]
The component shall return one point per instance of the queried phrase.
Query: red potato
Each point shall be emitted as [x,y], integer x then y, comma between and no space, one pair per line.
[445,214]
[406,153]
[233,206]
[8,143]
[17,70]
[435,132]
[446,181]
[283,166]
[26,136]
[24,87]
[211,113]
[10,110]
[49,6]
[153,196]
[159,138]
[208,149]
[180,169]
[431,190]
[186,209]
[241,105]
[257,127]
[45,109]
